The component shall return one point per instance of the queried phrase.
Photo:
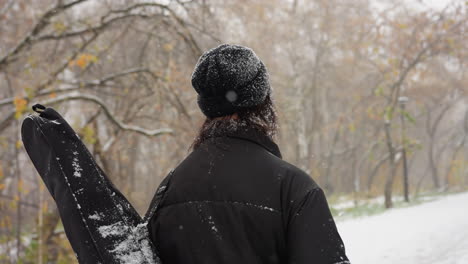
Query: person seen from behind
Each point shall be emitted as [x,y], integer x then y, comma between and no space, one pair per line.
[233,199]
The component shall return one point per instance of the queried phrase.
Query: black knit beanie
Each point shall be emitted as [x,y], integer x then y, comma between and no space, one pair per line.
[229,78]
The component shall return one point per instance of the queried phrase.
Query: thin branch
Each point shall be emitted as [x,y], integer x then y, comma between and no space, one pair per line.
[89,30]
[113,76]
[107,112]
[186,34]
[43,22]
[80,84]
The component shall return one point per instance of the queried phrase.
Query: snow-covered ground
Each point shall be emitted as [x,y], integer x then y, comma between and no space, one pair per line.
[435,232]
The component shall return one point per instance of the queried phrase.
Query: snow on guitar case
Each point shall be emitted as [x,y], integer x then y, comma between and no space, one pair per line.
[101,225]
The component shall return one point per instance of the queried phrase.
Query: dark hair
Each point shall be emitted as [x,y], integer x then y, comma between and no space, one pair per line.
[261,117]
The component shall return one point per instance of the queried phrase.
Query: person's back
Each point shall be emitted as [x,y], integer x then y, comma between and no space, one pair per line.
[233,199]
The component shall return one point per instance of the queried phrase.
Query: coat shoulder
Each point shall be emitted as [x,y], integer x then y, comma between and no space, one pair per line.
[297,176]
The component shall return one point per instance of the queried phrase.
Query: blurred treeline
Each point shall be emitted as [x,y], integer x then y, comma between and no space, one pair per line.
[364,89]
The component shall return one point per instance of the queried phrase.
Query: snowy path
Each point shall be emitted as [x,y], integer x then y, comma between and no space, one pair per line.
[431,233]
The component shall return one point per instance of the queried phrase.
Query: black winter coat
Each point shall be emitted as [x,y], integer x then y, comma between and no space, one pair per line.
[234,200]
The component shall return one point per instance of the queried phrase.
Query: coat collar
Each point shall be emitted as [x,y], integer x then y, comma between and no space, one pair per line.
[255,136]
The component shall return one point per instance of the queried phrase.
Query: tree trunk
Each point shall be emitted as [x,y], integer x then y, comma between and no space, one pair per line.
[391,176]
[389,184]
[433,166]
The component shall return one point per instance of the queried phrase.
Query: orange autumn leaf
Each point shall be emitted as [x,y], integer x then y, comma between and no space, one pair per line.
[20,106]
[83,60]
[19,144]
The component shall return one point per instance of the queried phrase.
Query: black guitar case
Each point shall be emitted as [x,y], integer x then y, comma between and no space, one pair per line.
[100,223]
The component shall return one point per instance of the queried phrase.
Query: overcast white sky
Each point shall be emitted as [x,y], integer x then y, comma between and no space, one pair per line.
[437,4]
[417,4]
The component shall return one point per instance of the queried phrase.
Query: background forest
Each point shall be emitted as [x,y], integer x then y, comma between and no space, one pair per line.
[370,95]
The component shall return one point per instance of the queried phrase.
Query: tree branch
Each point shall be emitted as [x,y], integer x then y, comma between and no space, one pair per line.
[107,112]
[43,22]
[81,84]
